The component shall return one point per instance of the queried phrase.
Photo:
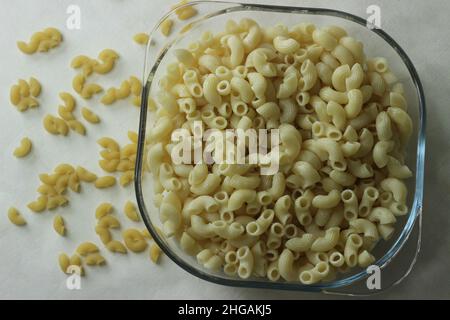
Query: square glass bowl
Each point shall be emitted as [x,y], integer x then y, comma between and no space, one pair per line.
[212,16]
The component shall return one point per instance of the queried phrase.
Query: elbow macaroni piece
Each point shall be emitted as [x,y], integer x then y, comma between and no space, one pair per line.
[24,149]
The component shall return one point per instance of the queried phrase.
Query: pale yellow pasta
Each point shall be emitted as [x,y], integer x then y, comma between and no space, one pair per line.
[326,201]
[105,182]
[38,205]
[89,115]
[24,148]
[87,248]
[285,45]
[329,94]
[109,221]
[402,122]
[141,38]
[130,211]
[339,77]
[134,240]
[59,226]
[396,187]
[366,227]
[116,246]
[246,262]
[370,195]
[15,217]
[355,102]
[352,244]
[324,39]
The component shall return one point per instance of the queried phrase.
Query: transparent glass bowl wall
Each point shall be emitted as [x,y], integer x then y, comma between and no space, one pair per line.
[212,17]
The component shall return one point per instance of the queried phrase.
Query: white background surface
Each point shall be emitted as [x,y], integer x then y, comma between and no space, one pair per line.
[28,256]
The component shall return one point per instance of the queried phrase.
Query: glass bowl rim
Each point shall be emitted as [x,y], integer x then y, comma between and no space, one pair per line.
[418,195]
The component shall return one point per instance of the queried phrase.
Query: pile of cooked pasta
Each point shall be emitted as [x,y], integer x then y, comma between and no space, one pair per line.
[343,128]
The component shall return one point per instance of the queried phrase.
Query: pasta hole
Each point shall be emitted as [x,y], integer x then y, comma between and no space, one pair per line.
[347,195]
[252,228]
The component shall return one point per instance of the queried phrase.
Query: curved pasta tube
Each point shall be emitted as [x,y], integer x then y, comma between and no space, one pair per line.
[245,182]
[397,170]
[285,45]
[310,176]
[134,240]
[402,122]
[396,187]
[227,231]
[208,186]
[288,87]
[327,242]
[170,213]
[201,204]
[309,75]
[334,152]
[301,244]
[15,217]
[278,185]
[339,77]
[353,243]
[380,152]
[355,102]
[210,90]
[39,205]
[209,260]
[366,227]
[282,206]
[201,228]
[382,216]
[24,148]
[237,50]
[261,64]
[253,37]
[337,114]
[328,201]
[290,139]
[356,77]
[239,197]
[261,225]
[246,262]
[243,88]
[288,270]
[258,84]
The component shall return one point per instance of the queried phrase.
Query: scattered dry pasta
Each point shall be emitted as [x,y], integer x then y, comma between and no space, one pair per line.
[141,38]
[105,182]
[23,95]
[155,253]
[41,41]
[59,226]
[89,115]
[24,149]
[131,212]
[166,27]
[15,217]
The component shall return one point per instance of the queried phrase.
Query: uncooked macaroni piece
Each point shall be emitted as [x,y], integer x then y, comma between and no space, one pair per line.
[23,94]
[155,253]
[185,12]
[130,211]
[59,226]
[87,248]
[89,115]
[105,182]
[64,262]
[343,126]
[41,41]
[103,209]
[116,246]
[166,27]
[77,126]
[15,217]
[141,38]
[24,148]
[95,259]
[134,240]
